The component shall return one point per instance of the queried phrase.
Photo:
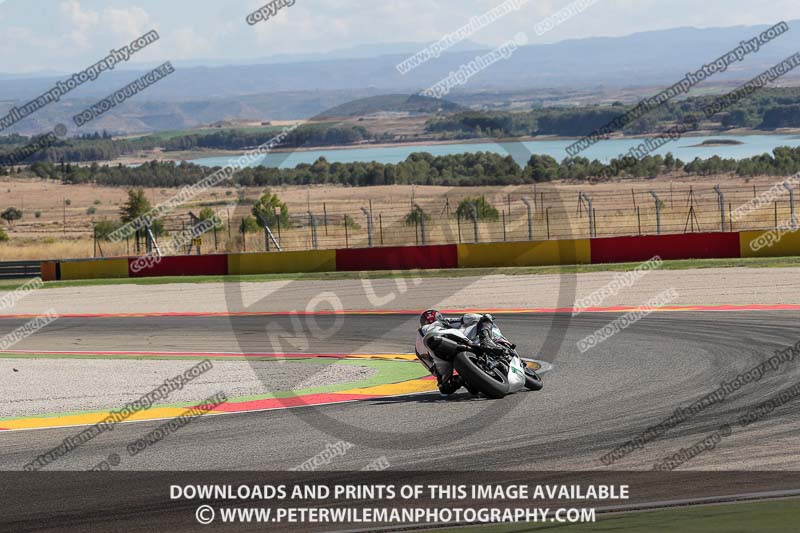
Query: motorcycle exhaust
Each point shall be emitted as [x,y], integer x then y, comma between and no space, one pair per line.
[444,347]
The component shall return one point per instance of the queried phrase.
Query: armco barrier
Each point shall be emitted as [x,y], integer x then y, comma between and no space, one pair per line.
[769,244]
[541,253]
[20,269]
[681,246]
[282,262]
[181,265]
[397,258]
[94,269]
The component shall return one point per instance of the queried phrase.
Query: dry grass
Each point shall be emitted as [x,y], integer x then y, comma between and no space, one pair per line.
[66,231]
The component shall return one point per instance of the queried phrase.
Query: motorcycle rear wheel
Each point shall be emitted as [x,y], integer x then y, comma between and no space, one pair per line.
[493,384]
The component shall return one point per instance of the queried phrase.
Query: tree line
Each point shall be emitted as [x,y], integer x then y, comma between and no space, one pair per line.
[766,110]
[102,147]
[304,136]
[421,168]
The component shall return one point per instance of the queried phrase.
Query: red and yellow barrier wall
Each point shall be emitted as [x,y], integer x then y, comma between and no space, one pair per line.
[92,269]
[681,246]
[181,265]
[541,253]
[769,244]
[397,258]
[501,254]
[282,262]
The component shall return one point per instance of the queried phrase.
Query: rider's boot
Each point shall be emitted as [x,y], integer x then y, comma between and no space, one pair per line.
[450,385]
[485,332]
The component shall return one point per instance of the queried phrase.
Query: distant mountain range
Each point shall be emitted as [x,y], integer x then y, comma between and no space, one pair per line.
[285,87]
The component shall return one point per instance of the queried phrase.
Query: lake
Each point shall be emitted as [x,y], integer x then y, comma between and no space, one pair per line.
[603,150]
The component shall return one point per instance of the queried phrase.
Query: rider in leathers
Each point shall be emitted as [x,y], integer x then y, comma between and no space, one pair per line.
[432,322]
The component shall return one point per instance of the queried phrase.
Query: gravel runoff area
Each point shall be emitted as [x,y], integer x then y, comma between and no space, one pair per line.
[65,385]
[707,286]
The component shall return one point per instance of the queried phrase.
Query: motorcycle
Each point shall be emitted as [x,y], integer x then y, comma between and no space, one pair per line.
[495,372]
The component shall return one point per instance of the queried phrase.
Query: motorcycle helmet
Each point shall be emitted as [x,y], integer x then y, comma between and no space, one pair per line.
[430,316]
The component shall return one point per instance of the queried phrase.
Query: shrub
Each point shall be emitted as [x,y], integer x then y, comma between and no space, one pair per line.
[207,214]
[3,235]
[248,225]
[158,229]
[413,217]
[10,215]
[486,211]
[270,208]
[38,214]
[136,206]
[104,228]
[91,210]
[350,223]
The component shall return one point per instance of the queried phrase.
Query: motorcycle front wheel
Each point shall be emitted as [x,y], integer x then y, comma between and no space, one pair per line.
[493,383]
[532,380]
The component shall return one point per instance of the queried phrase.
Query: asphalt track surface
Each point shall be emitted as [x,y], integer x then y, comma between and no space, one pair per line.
[592,402]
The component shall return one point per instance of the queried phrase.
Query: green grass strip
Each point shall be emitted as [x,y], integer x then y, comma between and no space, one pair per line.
[775,516]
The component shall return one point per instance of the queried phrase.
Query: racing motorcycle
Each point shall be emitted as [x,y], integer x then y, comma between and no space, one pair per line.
[495,372]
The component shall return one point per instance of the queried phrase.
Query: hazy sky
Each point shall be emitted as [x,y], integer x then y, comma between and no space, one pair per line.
[67,35]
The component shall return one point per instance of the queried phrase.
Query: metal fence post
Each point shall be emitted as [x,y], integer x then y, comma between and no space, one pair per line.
[639,219]
[776,214]
[369,225]
[475,219]
[313,230]
[266,231]
[421,218]
[530,218]
[591,214]
[721,201]
[547,217]
[791,203]
[658,212]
